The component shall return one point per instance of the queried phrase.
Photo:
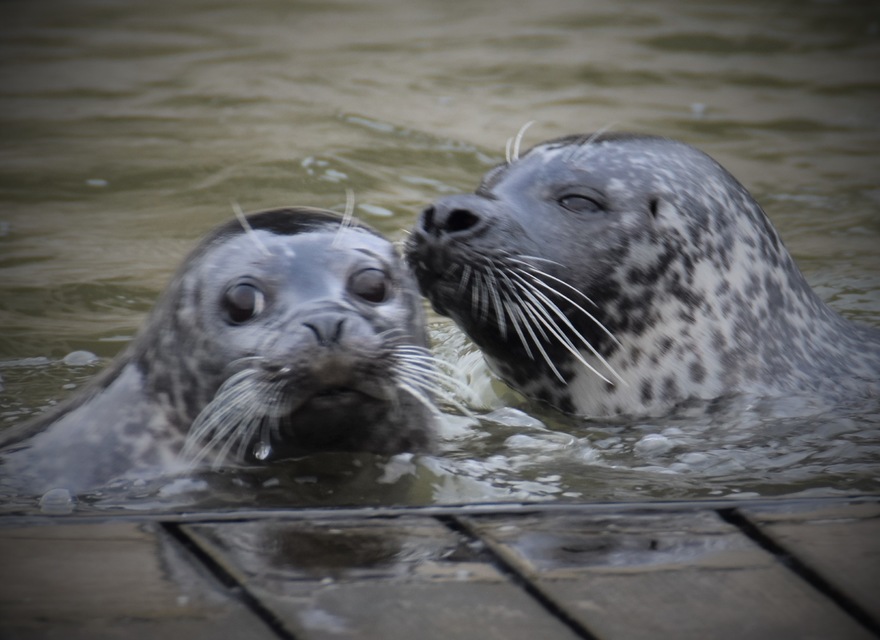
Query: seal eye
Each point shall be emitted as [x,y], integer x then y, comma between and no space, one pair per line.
[242,302]
[371,285]
[579,204]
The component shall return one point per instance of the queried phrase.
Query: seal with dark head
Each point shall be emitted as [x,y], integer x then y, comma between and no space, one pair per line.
[624,274]
[283,334]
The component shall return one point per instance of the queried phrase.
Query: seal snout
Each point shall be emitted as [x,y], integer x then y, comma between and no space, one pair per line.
[451,216]
[437,222]
[445,228]
[328,328]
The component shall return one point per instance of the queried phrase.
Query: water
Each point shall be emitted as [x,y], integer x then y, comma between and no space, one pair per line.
[129,129]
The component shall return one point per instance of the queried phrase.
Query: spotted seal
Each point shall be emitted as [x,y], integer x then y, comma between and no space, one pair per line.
[623,274]
[282,334]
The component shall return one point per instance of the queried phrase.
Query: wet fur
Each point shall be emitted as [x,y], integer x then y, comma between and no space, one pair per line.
[675,285]
[135,419]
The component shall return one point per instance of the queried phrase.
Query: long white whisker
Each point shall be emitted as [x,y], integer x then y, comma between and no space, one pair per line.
[543,315]
[526,310]
[538,281]
[530,328]
[587,140]
[466,272]
[515,319]
[248,229]
[549,307]
[533,270]
[518,140]
[492,286]
[347,217]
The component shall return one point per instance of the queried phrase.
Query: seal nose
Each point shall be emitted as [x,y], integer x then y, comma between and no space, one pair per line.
[328,328]
[449,216]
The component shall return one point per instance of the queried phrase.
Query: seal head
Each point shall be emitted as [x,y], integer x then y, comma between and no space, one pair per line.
[623,274]
[293,334]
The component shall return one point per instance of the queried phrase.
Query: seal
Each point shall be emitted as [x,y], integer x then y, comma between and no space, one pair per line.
[287,332]
[623,274]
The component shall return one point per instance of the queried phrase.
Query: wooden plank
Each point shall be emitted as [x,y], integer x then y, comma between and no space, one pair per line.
[840,542]
[375,578]
[663,575]
[110,580]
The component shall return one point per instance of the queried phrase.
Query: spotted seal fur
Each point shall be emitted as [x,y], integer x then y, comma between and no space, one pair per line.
[624,274]
[287,333]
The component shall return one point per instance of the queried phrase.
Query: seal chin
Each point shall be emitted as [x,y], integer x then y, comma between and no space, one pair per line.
[324,422]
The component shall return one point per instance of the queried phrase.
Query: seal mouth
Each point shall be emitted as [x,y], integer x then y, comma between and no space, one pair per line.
[335,397]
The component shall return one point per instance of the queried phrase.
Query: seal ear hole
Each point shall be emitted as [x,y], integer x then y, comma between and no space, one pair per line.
[372,285]
[243,301]
[653,206]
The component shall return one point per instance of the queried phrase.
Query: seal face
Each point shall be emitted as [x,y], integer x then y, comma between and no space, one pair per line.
[293,334]
[623,274]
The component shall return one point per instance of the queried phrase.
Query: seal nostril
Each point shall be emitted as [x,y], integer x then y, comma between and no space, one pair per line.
[328,331]
[461,220]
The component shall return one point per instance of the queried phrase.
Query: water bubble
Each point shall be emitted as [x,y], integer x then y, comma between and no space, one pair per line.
[262,451]
[57,501]
[653,443]
[79,358]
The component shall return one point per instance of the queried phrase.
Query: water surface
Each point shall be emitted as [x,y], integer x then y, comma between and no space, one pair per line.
[128,130]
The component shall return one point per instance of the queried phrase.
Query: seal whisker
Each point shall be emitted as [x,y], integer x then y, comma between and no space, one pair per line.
[422,370]
[526,313]
[417,394]
[233,402]
[515,319]
[545,310]
[347,217]
[533,270]
[466,272]
[526,260]
[518,140]
[248,229]
[515,289]
[434,380]
[585,140]
[537,282]
[492,286]
[529,312]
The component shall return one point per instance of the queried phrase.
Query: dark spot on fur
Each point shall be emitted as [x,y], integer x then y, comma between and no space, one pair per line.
[670,389]
[698,372]
[647,393]
[635,355]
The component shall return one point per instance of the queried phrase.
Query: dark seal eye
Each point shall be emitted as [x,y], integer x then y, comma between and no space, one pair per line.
[242,302]
[371,285]
[579,204]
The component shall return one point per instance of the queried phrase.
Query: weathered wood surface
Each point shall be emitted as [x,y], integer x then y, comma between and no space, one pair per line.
[763,569]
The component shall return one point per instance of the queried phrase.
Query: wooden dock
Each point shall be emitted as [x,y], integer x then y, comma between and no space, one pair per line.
[773,569]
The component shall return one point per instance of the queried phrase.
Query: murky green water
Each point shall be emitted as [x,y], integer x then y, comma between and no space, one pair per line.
[129,128]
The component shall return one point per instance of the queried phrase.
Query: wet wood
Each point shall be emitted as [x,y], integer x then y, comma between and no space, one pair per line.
[379,578]
[764,569]
[839,543]
[110,580]
[667,575]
